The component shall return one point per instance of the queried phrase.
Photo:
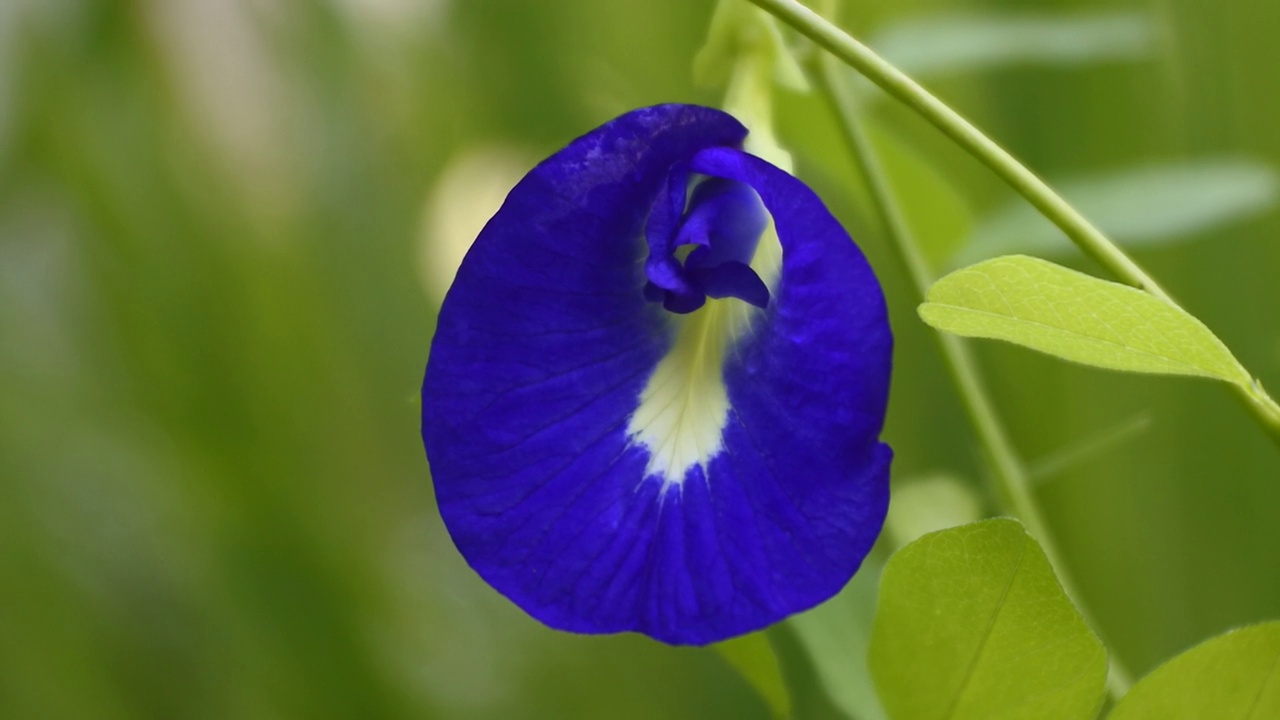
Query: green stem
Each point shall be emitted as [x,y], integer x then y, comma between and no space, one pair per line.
[1096,245]
[897,84]
[1012,480]
[1263,408]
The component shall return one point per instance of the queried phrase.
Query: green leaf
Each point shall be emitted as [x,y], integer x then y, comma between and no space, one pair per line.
[753,657]
[835,636]
[958,43]
[1235,676]
[1046,307]
[1140,206]
[973,625]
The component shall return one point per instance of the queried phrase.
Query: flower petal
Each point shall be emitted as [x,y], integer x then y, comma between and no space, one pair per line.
[733,279]
[562,471]
[726,219]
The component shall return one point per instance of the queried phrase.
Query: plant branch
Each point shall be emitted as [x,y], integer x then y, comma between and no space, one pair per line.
[1012,480]
[1088,238]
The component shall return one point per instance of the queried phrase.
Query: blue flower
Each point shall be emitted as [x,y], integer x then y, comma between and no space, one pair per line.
[651,405]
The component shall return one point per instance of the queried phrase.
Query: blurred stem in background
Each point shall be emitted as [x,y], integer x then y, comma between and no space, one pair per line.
[1088,238]
[1012,479]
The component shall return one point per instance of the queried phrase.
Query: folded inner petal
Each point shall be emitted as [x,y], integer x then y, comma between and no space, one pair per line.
[732,280]
[727,218]
[708,253]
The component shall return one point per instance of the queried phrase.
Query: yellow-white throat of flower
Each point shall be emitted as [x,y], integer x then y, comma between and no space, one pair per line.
[684,406]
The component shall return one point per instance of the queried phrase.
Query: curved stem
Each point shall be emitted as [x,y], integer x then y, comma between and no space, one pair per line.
[1026,183]
[1088,238]
[1012,480]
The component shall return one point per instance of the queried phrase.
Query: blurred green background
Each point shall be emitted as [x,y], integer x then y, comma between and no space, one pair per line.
[225,226]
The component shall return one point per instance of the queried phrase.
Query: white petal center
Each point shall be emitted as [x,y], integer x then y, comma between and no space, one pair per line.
[684,407]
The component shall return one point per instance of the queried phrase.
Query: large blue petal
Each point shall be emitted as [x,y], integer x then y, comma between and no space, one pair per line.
[544,346]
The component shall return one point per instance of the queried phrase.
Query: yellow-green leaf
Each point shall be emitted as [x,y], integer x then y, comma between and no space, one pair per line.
[1046,307]
[973,625]
[1235,676]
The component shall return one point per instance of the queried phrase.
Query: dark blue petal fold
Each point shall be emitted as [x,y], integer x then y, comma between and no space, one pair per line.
[732,279]
[549,340]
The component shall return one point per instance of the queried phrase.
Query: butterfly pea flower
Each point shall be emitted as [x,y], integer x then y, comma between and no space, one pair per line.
[638,417]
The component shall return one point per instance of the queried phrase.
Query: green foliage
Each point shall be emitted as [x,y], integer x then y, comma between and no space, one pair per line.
[753,657]
[933,208]
[922,505]
[736,27]
[1098,443]
[964,42]
[1046,307]
[1235,676]
[1137,206]
[834,635]
[972,624]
